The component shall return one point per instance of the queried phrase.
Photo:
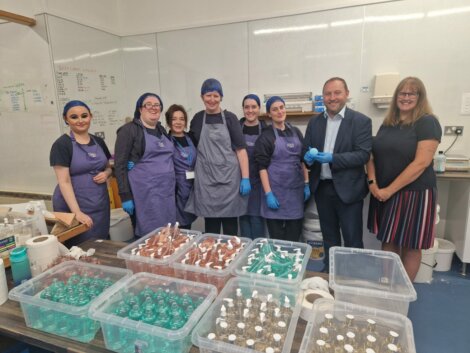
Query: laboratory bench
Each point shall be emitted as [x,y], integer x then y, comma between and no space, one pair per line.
[457,217]
[12,322]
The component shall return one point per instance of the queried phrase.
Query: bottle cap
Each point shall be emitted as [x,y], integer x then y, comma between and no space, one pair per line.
[18,254]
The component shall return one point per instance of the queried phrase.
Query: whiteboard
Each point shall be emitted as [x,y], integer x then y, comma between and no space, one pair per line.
[28,112]
[87,67]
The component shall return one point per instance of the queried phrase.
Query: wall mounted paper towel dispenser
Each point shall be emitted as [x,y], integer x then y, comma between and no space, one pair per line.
[385,84]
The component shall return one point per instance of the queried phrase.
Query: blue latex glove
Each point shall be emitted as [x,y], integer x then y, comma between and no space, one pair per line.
[310,155]
[324,157]
[130,165]
[245,186]
[306,192]
[271,200]
[128,206]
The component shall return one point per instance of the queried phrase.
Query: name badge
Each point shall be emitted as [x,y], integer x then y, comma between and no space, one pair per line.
[161,144]
[190,174]
[92,154]
[290,145]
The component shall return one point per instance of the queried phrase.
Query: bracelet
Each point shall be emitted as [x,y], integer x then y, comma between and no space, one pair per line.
[371,181]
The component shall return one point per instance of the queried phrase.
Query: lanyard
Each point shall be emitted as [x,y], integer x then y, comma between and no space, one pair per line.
[188,155]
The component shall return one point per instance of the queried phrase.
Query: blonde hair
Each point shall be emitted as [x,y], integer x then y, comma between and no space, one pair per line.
[392,118]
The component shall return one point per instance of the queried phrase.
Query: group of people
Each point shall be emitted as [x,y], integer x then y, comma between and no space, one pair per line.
[253,174]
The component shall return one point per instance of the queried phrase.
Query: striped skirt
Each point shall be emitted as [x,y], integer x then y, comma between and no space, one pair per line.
[406,219]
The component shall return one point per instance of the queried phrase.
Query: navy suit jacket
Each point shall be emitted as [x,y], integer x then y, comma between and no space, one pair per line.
[351,152]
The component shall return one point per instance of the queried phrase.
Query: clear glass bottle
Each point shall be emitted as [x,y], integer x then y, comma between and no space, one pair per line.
[320,346]
[232,338]
[440,162]
[339,344]
[250,343]
[277,342]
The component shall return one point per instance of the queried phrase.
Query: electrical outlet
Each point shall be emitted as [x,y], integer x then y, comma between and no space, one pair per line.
[452,130]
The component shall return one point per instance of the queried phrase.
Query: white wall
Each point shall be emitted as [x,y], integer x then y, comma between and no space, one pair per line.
[102,14]
[147,16]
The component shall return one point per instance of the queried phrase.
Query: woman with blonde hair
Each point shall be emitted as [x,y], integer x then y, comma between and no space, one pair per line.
[402,181]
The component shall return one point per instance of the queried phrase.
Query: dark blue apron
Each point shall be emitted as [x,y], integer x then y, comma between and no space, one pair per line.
[254,202]
[286,178]
[153,183]
[184,160]
[92,198]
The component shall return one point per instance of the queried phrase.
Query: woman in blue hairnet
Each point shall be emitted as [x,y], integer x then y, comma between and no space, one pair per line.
[144,167]
[252,225]
[278,154]
[81,164]
[222,181]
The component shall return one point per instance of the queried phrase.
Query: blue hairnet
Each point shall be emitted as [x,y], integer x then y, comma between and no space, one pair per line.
[272,100]
[140,102]
[74,103]
[211,85]
[251,96]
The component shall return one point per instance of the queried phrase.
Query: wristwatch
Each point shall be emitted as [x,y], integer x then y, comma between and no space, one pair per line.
[371,181]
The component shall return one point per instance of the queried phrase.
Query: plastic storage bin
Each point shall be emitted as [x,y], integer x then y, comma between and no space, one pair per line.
[373,278]
[209,275]
[428,262]
[138,263]
[385,322]
[122,334]
[444,255]
[278,290]
[57,317]
[120,225]
[285,246]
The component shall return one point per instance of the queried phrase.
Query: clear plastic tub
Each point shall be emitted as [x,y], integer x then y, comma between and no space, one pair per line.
[285,246]
[60,318]
[138,263]
[385,322]
[373,278]
[122,334]
[209,275]
[278,291]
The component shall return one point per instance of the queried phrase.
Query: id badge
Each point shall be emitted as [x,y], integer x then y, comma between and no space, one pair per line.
[189,174]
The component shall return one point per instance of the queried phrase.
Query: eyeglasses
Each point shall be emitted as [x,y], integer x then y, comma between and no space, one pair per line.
[407,94]
[149,106]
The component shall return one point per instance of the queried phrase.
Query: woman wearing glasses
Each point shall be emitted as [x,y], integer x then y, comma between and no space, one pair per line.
[144,167]
[80,162]
[402,181]
[222,183]
[184,160]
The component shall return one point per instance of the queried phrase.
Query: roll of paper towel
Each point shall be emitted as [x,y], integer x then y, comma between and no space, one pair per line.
[310,295]
[42,251]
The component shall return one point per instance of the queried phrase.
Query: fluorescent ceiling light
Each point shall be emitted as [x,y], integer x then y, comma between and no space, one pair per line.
[107,52]
[290,29]
[137,48]
[452,11]
[346,22]
[395,18]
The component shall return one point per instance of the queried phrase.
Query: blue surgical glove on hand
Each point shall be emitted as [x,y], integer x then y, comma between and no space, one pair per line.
[309,156]
[130,165]
[245,186]
[271,200]
[306,192]
[324,157]
[128,206]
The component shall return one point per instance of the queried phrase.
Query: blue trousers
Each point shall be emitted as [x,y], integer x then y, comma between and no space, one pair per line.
[252,226]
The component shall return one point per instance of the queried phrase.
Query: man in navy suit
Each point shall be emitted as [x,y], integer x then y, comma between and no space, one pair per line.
[338,181]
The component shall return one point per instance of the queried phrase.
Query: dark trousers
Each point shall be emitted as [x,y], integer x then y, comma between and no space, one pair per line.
[228,224]
[285,229]
[336,218]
